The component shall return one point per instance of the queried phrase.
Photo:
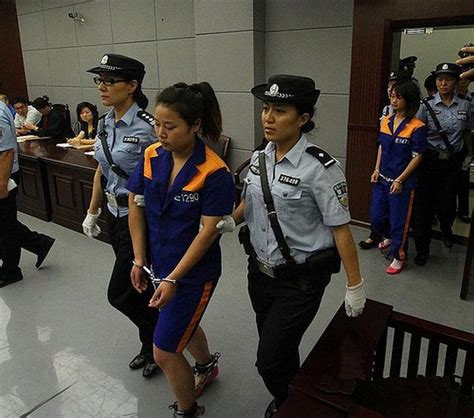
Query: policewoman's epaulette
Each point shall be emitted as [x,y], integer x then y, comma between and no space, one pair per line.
[147,117]
[322,156]
[428,98]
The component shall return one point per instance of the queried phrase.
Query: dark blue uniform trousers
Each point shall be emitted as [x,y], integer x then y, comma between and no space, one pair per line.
[284,310]
[390,216]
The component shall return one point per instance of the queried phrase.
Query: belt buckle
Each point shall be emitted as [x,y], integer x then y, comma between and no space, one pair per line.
[111,199]
[266,269]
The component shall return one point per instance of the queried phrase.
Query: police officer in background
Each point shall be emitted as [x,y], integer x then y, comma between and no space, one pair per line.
[447,117]
[292,254]
[123,134]
[13,234]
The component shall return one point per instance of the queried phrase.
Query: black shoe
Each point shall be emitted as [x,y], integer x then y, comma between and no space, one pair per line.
[7,278]
[195,411]
[367,245]
[47,243]
[271,409]
[150,369]
[421,259]
[138,361]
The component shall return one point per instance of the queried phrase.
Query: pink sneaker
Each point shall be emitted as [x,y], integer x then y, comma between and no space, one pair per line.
[205,374]
[385,243]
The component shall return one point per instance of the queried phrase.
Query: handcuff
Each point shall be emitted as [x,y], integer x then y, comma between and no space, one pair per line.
[151,274]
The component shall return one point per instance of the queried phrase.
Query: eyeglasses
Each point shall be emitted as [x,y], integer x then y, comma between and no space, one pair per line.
[107,81]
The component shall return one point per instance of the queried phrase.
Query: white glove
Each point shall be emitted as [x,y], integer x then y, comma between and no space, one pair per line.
[226,224]
[355,299]
[139,199]
[89,226]
[466,164]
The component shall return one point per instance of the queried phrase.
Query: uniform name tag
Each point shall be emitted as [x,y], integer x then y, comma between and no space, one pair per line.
[131,139]
[292,181]
[462,112]
[437,112]
[399,140]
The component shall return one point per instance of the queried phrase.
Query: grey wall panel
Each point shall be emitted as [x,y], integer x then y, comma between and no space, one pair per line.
[174,19]
[68,95]
[226,60]
[224,16]
[32,31]
[331,124]
[60,29]
[237,116]
[146,53]
[64,64]
[89,57]
[259,57]
[323,54]
[50,4]
[300,14]
[151,95]
[133,20]
[176,61]
[37,67]
[97,28]
[38,91]
[28,6]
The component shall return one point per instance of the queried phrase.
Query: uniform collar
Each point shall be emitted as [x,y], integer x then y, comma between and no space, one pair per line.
[128,117]
[294,154]
[437,98]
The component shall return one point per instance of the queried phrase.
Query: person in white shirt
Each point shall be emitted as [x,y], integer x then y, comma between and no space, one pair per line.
[24,114]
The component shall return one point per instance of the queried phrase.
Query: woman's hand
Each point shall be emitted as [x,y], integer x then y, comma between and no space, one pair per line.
[163,295]
[374,178]
[29,126]
[139,280]
[396,187]
[74,141]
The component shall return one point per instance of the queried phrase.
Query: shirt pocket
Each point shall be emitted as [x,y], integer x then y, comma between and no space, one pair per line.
[287,203]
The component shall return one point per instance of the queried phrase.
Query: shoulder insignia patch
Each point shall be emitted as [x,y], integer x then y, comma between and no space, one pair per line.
[147,117]
[340,190]
[322,156]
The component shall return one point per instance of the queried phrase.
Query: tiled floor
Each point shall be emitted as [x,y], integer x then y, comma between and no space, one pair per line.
[64,351]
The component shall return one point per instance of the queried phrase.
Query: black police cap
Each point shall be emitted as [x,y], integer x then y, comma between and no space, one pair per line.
[400,75]
[120,64]
[291,89]
[448,68]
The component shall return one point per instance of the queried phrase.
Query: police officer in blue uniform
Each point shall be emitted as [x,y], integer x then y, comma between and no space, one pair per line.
[13,234]
[289,268]
[448,146]
[123,134]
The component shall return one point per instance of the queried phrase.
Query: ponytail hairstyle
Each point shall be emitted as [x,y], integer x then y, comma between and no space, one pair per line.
[306,107]
[140,98]
[193,102]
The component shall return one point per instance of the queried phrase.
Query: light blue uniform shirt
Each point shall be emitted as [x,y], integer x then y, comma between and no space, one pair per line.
[309,199]
[127,139]
[8,134]
[454,119]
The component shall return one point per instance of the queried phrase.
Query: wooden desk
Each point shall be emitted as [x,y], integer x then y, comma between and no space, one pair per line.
[56,183]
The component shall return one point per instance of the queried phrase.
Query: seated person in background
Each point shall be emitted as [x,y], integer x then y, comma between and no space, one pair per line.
[88,117]
[24,114]
[4,98]
[52,123]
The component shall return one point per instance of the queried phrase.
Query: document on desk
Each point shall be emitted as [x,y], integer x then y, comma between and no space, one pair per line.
[89,153]
[24,138]
[64,145]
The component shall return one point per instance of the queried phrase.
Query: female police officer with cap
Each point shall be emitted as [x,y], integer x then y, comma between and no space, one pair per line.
[124,133]
[446,150]
[310,198]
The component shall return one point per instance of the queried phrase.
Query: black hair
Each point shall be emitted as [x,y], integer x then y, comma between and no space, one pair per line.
[95,115]
[138,95]
[430,83]
[193,102]
[302,108]
[19,99]
[41,102]
[409,91]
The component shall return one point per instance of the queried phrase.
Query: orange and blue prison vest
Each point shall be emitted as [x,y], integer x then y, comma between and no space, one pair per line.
[398,147]
[203,187]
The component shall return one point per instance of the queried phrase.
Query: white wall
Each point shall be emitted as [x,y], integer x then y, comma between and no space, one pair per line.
[233,44]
